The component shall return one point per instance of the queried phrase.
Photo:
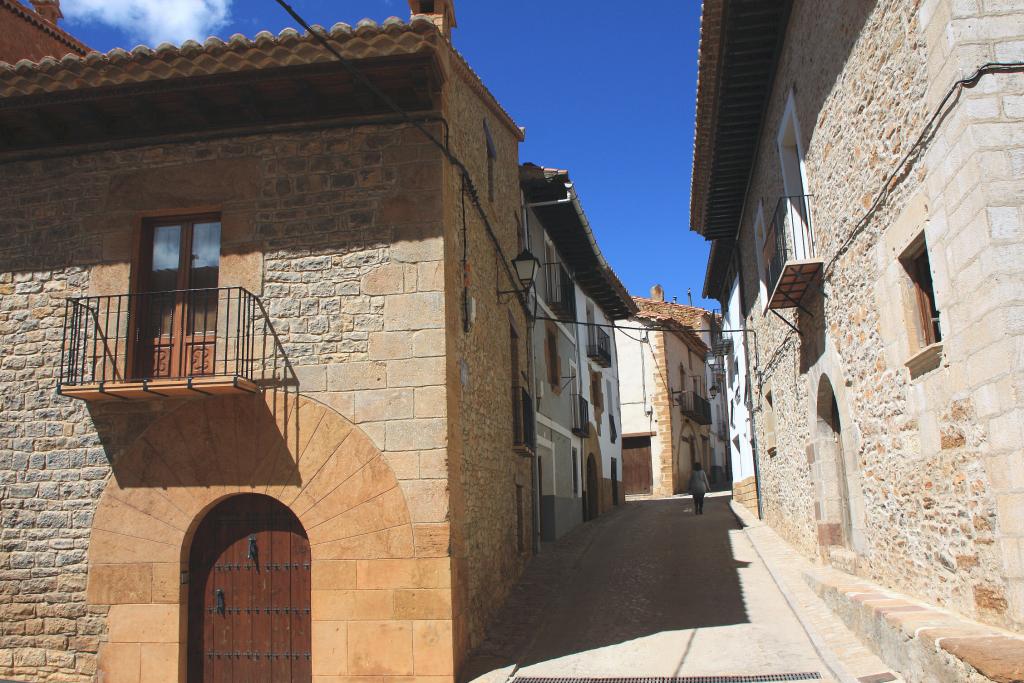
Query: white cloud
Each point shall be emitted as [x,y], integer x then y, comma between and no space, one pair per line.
[153,21]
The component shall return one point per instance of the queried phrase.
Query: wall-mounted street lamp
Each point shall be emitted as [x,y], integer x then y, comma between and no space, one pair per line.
[526,266]
[713,392]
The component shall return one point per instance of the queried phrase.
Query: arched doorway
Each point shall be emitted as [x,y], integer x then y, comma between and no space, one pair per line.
[249,594]
[593,490]
[835,494]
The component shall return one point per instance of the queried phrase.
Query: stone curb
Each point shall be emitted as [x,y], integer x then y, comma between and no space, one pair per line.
[924,642]
[832,663]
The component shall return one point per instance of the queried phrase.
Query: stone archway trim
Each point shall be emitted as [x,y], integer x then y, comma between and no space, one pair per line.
[378,609]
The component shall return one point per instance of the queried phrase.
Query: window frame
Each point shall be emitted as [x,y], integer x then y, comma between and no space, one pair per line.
[916,262]
[137,361]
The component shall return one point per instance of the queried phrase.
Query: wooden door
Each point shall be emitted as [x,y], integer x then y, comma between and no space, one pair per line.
[636,465]
[593,489]
[249,595]
[615,482]
[176,303]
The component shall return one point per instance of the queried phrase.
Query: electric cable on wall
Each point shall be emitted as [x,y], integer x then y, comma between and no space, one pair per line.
[902,170]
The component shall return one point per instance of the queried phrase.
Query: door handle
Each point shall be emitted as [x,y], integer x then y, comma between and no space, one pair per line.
[253,550]
[218,595]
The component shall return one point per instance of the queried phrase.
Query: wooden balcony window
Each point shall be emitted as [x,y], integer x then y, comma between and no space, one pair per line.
[560,291]
[599,347]
[695,407]
[176,333]
[134,346]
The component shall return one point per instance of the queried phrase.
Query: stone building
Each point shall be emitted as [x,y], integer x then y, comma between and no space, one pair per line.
[858,167]
[578,299]
[25,34]
[242,391]
[669,420]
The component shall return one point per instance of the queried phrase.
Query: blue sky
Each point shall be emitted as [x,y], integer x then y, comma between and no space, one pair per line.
[604,89]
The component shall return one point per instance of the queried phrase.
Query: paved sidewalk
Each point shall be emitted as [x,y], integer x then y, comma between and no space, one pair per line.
[648,590]
[847,657]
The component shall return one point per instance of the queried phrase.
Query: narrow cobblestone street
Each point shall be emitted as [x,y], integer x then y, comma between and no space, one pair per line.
[651,590]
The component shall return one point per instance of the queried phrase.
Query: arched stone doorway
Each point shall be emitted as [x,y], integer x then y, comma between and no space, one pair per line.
[835,474]
[312,461]
[250,594]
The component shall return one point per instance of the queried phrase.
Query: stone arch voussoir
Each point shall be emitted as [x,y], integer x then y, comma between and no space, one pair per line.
[283,445]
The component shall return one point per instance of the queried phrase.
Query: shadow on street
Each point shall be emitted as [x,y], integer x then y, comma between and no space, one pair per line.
[647,569]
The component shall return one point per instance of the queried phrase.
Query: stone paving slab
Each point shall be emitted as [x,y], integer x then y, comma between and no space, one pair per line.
[649,590]
[849,660]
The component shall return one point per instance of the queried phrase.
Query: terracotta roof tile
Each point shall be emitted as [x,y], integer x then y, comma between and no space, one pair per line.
[144,64]
[708,66]
[687,321]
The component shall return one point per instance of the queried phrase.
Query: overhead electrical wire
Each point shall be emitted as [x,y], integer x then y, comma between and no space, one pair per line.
[470,186]
[927,133]
[902,169]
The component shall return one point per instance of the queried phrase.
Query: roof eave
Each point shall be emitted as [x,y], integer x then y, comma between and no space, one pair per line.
[547,184]
[719,188]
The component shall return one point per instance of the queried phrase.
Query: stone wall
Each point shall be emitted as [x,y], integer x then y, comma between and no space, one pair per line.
[665,456]
[339,231]
[490,483]
[745,493]
[920,489]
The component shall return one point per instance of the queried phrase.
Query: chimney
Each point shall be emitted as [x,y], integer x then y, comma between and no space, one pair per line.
[658,293]
[48,9]
[441,12]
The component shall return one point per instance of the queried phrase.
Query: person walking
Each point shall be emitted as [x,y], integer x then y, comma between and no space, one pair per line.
[699,486]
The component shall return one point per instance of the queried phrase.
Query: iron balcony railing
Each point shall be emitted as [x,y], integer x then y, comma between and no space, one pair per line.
[790,237]
[524,425]
[580,416]
[175,335]
[599,347]
[560,292]
[721,344]
[695,407]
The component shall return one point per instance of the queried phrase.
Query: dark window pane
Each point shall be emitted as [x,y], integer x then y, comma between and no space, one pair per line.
[205,255]
[166,258]
[163,277]
[204,276]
